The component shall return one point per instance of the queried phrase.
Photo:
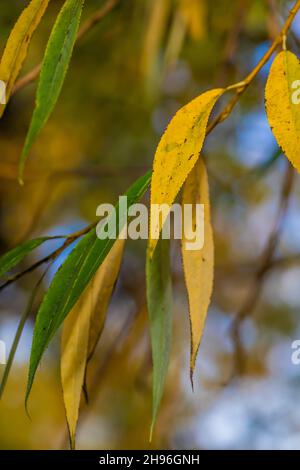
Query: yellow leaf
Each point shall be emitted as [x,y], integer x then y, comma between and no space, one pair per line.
[17,45]
[198,264]
[81,331]
[102,292]
[75,337]
[282,104]
[177,153]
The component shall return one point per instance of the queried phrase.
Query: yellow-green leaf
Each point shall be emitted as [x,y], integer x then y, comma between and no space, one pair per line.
[283,104]
[198,264]
[102,291]
[17,45]
[177,153]
[81,331]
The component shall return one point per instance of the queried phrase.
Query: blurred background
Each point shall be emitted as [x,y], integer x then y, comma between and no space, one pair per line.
[128,76]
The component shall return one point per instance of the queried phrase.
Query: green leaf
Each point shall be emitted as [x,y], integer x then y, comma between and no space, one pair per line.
[54,68]
[159,299]
[15,256]
[73,276]
[18,334]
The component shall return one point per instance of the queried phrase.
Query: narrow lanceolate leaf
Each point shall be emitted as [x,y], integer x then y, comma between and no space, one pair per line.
[18,335]
[13,257]
[283,104]
[159,300]
[177,153]
[74,275]
[75,338]
[102,291]
[81,331]
[54,67]
[198,263]
[17,45]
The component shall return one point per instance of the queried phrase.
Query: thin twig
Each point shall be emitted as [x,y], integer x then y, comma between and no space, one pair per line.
[244,84]
[22,322]
[52,256]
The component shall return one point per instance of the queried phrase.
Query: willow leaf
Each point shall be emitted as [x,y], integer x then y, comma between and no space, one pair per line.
[81,331]
[54,68]
[102,291]
[177,153]
[13,257]
[16,48]
[198,264]
[159,300]
[18,334]
[74,347]
[73,276]
[282,104]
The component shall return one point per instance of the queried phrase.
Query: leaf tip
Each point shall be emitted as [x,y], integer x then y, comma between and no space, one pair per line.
[151,248]
[192,377]
[20,180]
[72,441]
[151,432]
[21,171]
[28,389]
[26,406]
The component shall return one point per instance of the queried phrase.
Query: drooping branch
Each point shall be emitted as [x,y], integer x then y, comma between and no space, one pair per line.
[239,88]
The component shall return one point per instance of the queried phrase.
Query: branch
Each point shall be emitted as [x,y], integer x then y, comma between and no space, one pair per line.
[243,85]
[239,87]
